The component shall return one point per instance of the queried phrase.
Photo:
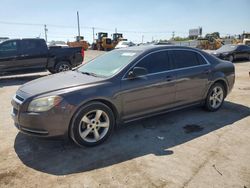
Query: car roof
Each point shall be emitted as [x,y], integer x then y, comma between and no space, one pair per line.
[153,47]
[23,39]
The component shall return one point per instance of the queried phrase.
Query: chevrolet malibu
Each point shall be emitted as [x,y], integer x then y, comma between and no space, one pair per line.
[118,87]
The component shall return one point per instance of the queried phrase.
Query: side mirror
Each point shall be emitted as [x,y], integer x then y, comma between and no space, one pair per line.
[137,71]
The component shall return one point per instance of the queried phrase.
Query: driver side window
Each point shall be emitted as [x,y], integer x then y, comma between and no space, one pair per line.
[9,46]
[155,62]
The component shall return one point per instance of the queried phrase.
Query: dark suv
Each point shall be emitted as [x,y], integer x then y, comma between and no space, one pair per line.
[121,86]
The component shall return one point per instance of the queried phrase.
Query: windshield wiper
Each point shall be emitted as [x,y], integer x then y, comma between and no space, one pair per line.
[90,73]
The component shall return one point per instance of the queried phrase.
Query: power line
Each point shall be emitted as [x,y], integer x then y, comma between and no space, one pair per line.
[85,27]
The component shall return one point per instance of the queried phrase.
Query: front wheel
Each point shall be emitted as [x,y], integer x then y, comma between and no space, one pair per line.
[215,97]
[94,123]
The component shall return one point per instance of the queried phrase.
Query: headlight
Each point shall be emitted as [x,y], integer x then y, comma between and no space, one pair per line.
[224,54]
[44,104]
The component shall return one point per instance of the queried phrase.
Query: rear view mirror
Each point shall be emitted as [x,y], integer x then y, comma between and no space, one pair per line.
[137,71]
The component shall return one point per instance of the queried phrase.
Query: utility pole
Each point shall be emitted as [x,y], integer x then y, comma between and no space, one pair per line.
[45,32]
[78,24]
[115,30]
[93,29]
[142,37]
[152,39]
[173,34]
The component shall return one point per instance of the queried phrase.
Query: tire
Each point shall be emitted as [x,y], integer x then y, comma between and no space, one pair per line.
[231,58]
[62,66]
[215,97]
[92,125]
[249,57]
[51,71]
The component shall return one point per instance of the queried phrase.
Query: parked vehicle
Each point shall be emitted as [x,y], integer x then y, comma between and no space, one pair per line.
[118,87]
[124,44]
[31,54]
[233,52]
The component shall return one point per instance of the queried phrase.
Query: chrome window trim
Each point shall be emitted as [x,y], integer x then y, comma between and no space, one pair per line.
[170,49]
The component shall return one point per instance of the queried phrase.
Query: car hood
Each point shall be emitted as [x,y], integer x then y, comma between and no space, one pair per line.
[58,81]
[121,46]
[222,51]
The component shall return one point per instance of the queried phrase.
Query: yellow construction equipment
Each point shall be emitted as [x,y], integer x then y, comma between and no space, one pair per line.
[117,37]
[102,42]
[242,39]
[210,42]
[246,38]
[80,42]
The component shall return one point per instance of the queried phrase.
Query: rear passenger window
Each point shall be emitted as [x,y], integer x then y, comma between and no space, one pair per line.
[32,46]
[201,60]
[185,59]
[155,62]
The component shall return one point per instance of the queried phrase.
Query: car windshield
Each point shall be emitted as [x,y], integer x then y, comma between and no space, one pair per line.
[108,64]
[228,47]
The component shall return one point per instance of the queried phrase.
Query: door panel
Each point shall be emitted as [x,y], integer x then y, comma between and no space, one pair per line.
[191,84]
[191,76]
[147,94]
[150,93]
[34,54]
[9,53]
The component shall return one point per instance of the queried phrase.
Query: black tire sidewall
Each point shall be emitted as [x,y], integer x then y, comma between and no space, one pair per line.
[61,63]
[83,110]
[207,103]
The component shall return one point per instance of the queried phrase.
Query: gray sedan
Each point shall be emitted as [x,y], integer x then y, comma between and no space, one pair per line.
[118,87]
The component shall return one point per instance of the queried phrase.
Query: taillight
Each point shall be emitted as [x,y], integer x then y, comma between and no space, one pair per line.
[82,52]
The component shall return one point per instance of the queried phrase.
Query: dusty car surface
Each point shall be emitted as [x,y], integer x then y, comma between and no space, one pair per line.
[118,87]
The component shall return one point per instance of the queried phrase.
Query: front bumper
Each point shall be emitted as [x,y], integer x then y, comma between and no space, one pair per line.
[52,123]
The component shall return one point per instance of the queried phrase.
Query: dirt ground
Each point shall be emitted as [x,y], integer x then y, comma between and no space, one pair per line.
[187,148]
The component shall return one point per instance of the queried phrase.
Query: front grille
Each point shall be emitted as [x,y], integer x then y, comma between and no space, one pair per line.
[108,41]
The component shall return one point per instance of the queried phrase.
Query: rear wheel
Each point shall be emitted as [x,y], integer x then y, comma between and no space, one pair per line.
[215,97]
[62,66]
[94,123]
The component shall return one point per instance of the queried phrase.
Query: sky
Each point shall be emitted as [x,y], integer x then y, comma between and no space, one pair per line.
[156,19]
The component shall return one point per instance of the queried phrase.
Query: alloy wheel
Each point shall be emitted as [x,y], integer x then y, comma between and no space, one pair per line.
[216,97]
[63,67]
[94,125]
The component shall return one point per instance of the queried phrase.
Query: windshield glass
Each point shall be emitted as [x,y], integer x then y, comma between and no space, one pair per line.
[228,47]
[110,63]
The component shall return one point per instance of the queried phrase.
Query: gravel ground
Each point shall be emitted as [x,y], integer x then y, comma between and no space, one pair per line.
[187,148]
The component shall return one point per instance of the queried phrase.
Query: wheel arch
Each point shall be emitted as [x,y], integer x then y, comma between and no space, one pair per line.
[104,101]
[224,84]
[222,81]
